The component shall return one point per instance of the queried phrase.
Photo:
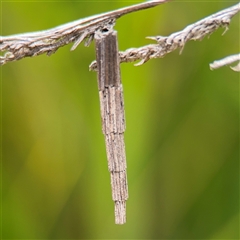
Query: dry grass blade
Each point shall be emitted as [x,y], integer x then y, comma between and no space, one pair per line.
[167,44]
[31,44]
[227,61]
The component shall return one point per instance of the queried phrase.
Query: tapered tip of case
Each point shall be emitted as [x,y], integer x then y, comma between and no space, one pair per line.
[120,212]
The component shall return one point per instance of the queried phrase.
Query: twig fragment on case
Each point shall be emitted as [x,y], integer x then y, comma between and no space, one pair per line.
[113,117]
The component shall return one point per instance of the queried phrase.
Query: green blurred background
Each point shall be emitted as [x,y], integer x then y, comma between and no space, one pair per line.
[182,137]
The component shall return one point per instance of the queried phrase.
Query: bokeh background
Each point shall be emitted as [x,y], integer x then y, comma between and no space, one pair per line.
[182,137]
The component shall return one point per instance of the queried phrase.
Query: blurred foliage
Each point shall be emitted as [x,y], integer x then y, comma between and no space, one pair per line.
[182,137]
